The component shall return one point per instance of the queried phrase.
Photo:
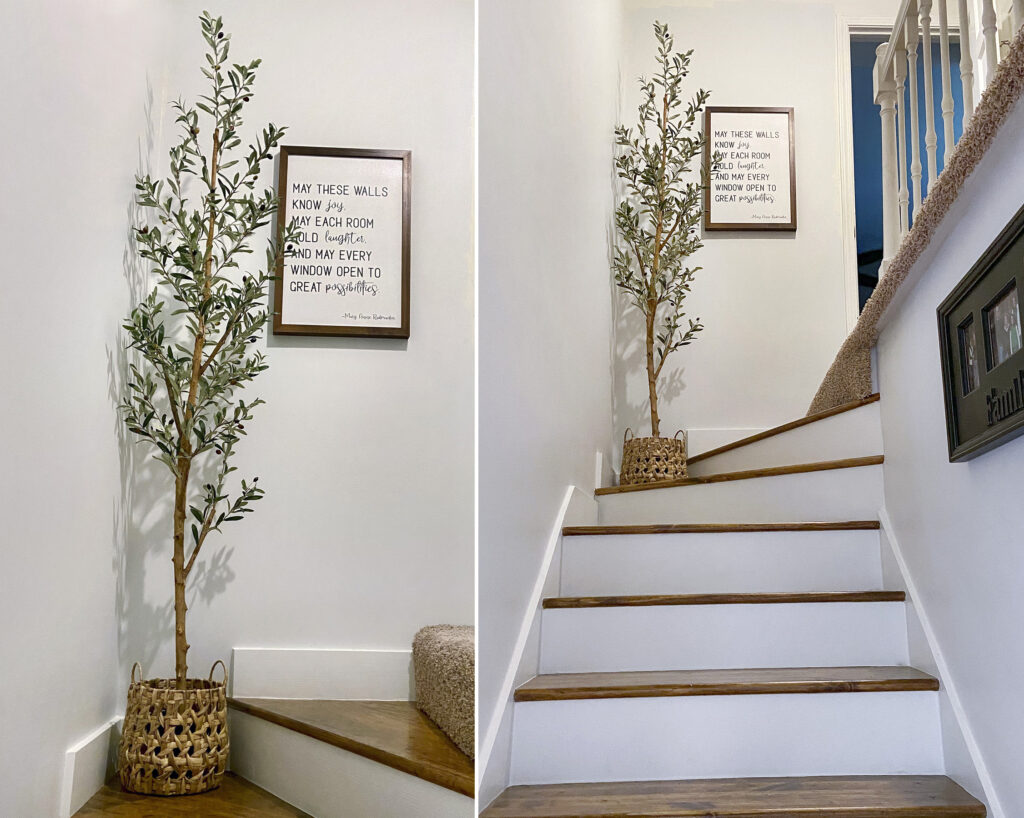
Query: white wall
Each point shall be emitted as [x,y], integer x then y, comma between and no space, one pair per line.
[959,525]
[774,304]
[365,447]
[79,81]
[548,80]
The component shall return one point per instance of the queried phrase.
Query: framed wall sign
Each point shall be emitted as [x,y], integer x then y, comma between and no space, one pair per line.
[754,186]
[981,349]
[350,274]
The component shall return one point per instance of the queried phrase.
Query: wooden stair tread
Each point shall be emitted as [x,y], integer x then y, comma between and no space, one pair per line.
[723,599]
[235,798]
[748,474]
[874,796]
[785,427]
[658,683]
[715,528]
[393,733]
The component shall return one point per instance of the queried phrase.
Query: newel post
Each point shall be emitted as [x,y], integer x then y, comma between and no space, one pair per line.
[885,98]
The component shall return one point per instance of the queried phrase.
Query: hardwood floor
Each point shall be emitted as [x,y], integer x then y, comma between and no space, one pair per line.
[918,796]
[649,683]
[715,528]
[722,599]
[392,733]
[725,477]
[235,798]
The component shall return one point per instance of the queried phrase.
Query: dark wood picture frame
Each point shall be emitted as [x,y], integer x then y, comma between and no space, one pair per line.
[350,330]
[733,109]
[984,407]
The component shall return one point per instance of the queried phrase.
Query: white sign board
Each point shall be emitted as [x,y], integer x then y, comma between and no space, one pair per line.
[753,184]
[349,274]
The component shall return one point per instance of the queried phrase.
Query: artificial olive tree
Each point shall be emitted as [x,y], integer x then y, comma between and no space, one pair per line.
[657,218]
[195,333]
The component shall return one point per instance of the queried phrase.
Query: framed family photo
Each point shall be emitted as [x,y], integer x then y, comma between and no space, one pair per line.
[349,274]
[982,350]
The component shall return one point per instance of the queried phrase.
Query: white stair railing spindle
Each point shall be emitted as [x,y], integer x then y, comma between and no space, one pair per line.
[900,67]
[911,34]
[947,84]
[930,137]
[885,98]
[966,63]
[989,24]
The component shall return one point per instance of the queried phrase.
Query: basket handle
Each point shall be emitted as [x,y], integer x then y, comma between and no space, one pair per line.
[224,667]
[680,432]
[132,678]
[627,432]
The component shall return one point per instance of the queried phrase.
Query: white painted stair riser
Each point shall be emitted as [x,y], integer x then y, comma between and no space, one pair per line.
[732,562]
[670,637]
[329,782]
[856,433]
[836,494]
[726,736]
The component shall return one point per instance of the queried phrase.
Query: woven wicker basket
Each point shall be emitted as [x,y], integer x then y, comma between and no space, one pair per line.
[174,742]
[652,459]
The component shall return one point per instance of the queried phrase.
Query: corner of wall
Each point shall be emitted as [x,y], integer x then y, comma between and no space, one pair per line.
[963,759]
[495,743]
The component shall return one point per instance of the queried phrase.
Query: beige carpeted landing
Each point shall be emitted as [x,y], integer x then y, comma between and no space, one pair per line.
[443,661]
[849,377]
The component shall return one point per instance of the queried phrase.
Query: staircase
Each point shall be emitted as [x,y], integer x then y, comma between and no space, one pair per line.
[335,759]
[335,734]
[718,650]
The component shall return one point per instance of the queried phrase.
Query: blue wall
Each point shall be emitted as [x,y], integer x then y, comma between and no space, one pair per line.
[867,138]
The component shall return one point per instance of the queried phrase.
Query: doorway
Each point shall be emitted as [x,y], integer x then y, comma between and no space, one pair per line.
[867,145]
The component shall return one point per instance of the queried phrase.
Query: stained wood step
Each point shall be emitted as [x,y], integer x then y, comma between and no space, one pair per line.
[881,796]
[722,599]
[716,528]
[393,733]
[723,477]
[658,683]
[235,798]
[785,427]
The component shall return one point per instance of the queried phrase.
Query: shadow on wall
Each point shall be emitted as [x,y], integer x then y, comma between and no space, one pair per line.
[142,514]
[631,369]
[628,352]
[629,373]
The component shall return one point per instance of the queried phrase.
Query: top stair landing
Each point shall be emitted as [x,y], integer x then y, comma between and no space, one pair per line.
[823,467]
[847,431]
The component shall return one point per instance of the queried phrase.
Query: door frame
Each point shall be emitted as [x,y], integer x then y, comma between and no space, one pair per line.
[848,29]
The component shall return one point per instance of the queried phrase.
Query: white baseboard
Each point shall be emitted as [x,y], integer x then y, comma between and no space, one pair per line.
[322,673]
[704,440]
[494,744]
[87,765]
[948,687]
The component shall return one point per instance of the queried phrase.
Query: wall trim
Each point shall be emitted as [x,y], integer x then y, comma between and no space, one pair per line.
[704,439]
[88,764]
[322,673]
[493,755]
[944,674]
